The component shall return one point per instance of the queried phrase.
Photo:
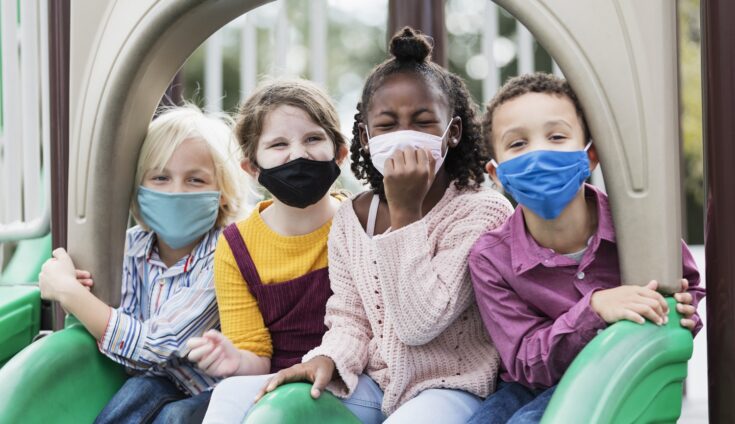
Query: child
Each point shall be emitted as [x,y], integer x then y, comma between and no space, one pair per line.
[405,338]
[187,188]
[548,280]
[271,274]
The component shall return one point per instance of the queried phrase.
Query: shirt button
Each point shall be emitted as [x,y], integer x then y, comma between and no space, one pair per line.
[599,330]
[580,275]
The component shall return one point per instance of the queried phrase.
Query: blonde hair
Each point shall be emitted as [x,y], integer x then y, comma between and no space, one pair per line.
[170,129]
[272,94]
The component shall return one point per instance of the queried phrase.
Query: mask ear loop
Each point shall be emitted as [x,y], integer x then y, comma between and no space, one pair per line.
[587,147]
[446,130]
[366,148]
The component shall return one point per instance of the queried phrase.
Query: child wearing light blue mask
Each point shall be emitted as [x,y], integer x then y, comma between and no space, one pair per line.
[549,279]
[187,188]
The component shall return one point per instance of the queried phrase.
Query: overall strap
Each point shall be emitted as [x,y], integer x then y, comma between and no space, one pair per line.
[372,215]
[241,254]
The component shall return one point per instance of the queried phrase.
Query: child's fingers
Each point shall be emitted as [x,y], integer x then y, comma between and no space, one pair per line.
[684,284]
[652,285]
[686,310]
[647,312]
[321,379]
[653,304]
[631,315]
[86,282]
[197,354]
[687,323]
[651,293]
[278,379]
[196,342]
[685,298]
[81,274]
[209,359]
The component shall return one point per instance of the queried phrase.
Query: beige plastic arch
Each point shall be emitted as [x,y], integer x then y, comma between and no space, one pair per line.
[619,55]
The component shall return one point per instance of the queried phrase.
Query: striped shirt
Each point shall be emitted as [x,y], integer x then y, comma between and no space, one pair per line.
[161,308]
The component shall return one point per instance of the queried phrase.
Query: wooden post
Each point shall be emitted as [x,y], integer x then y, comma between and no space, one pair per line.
[718,86]
[426,16]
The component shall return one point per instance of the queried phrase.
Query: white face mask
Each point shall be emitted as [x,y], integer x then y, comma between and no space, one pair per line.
[383,146]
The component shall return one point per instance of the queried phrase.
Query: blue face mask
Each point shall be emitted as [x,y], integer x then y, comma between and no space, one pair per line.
[178,218]
[545,181]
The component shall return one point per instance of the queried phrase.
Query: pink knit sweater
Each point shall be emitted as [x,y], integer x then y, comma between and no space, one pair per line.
[403,309]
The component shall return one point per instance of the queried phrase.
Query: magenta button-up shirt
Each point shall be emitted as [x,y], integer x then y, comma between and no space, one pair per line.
[536,303]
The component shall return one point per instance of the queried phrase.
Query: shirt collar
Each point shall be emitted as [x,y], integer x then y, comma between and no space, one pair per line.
[144,246]
[526,253]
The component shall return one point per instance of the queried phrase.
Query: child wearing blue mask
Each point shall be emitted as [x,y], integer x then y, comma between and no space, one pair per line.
[548,279]
[187,188]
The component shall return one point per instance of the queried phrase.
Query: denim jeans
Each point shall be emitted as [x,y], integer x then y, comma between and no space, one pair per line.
[513,403]
[153,400]
[232,399]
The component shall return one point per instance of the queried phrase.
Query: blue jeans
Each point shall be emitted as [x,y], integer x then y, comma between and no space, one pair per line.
[153,400]
[513,403]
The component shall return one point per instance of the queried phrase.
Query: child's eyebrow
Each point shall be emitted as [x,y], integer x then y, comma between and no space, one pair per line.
[557,122]
[388,113]
[422,110]
[511,131]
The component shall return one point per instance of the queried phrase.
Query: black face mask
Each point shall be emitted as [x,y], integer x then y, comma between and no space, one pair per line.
[301,182]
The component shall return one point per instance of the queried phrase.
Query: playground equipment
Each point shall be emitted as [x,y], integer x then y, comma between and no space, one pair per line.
[620,57]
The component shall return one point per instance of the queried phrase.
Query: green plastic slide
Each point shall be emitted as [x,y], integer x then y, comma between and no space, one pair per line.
[20,299]
[292,403]
[630,373]
[61,378]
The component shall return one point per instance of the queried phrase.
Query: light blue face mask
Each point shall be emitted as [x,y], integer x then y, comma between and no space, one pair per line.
[178,218]
[545,181]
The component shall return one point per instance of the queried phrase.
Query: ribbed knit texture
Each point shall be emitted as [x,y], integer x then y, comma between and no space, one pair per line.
[403,309]
[278,258]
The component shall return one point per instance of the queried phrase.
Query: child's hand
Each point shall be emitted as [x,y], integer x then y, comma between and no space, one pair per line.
[684,305]
[58,276]
[214,354]
[409,173]
[85,278]
[632,303]
[318,370]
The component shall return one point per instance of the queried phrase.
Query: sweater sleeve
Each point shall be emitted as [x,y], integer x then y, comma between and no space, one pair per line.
[239,314]
[427,287]
[349,333]
[535,349]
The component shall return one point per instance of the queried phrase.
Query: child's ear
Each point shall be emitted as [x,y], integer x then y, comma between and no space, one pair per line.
[251,168]
[594,159]
[341,154]
[492,171]
[455,132]
[363,136]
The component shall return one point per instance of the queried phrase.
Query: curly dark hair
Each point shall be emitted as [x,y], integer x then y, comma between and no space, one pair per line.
[411,53]
[537,82]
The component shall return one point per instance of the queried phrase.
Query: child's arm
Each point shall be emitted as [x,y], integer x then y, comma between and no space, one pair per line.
[58,282]
[141,344]
[535,349]
[217,356]
[425,290]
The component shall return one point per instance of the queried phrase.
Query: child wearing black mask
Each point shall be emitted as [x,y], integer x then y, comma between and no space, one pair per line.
[271,276]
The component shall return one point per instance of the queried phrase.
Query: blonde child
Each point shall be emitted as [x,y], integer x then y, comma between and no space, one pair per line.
[187,187]
[406,342]
[548,280]
[271,274]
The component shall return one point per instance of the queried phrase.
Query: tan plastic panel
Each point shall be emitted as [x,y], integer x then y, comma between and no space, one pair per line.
[123,55]
[619,55]
[621,58]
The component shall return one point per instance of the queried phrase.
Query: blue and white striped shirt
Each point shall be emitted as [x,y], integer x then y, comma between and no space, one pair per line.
[161,308]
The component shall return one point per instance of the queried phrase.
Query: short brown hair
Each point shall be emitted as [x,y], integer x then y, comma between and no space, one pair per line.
[299,93]
[538,82]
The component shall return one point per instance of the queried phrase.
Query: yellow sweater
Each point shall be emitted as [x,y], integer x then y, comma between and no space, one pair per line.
[278,259]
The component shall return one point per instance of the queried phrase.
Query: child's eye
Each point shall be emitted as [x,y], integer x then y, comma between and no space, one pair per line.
[197,181]
[278,145]
[314,139]
[517,144]
[557,137]
[159,178]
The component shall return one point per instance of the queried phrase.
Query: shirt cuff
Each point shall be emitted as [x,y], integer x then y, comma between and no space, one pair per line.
[583,318]
[122,336]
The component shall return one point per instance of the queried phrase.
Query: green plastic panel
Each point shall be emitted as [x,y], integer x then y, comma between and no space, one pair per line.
[629,373]
[27,260]
[293,404]
[61,378]
[20,316]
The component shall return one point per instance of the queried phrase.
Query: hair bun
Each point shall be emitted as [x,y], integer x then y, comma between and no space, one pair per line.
[409,45]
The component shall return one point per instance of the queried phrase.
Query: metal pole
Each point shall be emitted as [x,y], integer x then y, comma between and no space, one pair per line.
[718,86]
[58,19]
[426,16]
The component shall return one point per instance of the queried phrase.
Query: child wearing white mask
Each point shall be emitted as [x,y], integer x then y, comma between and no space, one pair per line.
[187,188]
[406,342]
